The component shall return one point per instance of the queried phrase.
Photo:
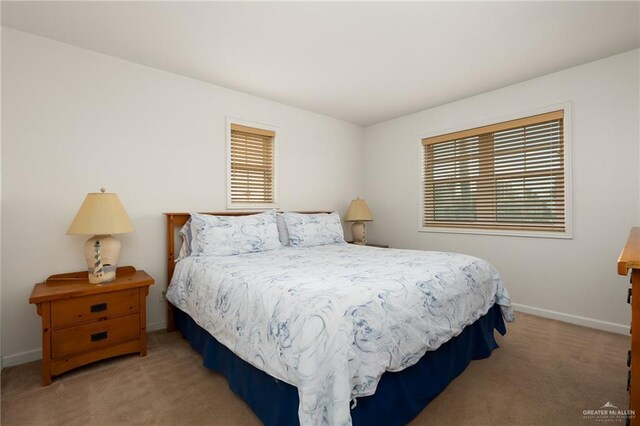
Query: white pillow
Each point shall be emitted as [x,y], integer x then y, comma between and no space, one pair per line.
[187,233]
[306,230]
[282,229]
[230,235]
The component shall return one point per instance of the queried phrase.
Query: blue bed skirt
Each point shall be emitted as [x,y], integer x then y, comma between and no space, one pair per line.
[400,396]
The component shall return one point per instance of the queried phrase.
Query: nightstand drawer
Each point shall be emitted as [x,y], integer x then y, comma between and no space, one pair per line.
[87,337]
[108,305]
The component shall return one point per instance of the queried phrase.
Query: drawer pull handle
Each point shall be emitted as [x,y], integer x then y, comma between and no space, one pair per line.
[99,307]
[96,337]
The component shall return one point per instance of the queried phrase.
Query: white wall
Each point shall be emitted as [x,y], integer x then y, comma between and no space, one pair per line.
[571,278]
[1,364]
[74,120]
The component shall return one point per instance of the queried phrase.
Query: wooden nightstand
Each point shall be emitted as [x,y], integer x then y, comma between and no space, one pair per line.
[372,245]
[83,323]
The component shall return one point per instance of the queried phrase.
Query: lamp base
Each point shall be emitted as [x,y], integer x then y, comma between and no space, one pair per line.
[101,253]
[359,234]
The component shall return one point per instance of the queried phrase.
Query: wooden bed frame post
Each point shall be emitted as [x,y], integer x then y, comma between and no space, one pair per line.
[171,325]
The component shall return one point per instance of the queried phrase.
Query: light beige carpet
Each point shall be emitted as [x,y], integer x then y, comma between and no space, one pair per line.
[545,373]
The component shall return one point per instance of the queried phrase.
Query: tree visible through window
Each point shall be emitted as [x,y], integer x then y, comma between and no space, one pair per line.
[508,175]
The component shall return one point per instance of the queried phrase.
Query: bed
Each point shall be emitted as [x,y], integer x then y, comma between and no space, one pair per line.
[335,333]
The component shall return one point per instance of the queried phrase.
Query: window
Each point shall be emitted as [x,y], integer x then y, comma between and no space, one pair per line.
[251,166]
[507,177]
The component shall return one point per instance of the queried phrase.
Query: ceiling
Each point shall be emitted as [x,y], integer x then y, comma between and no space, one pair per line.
[357,61]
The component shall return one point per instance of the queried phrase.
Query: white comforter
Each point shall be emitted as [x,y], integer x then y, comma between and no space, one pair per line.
[332,319]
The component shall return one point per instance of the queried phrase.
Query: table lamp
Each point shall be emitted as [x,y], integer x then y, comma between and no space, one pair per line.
[358,213]
[101,214]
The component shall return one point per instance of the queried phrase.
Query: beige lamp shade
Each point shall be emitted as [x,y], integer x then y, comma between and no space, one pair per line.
[358,211]
[101,213]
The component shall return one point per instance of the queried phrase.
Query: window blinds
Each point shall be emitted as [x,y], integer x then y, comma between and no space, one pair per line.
[251,175]
[508,175]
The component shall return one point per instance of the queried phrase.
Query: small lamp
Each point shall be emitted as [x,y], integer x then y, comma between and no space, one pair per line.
[358,213]
[100,215]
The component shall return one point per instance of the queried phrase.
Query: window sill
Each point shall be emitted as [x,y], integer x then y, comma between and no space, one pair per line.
[567,235]
[252,206]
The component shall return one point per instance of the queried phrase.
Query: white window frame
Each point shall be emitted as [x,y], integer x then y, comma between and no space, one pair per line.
[568,204]
[251,206]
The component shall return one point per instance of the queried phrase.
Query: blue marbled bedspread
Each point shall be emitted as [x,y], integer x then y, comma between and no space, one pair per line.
[332,319]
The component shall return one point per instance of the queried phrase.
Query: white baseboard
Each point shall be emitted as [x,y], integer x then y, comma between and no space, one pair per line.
[36,354]
[21,358]
[573,319]
[155,326]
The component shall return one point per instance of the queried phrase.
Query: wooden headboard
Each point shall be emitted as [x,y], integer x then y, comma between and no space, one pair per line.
[175,221]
